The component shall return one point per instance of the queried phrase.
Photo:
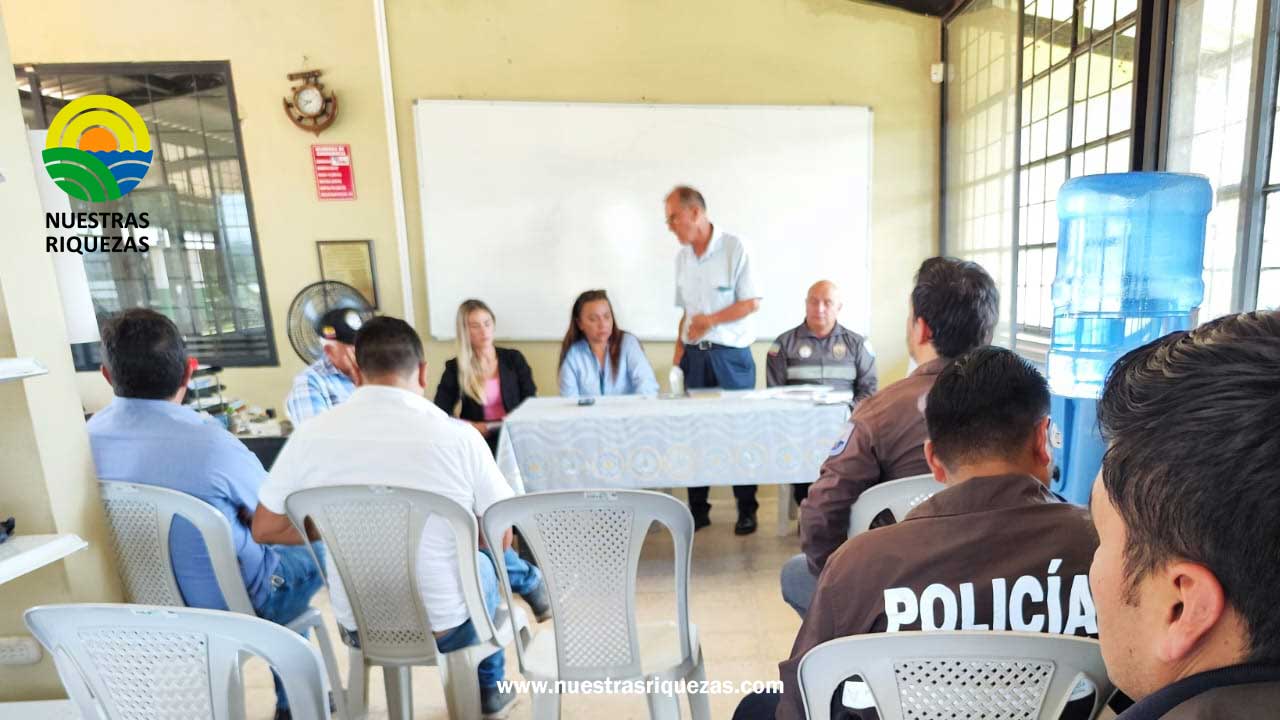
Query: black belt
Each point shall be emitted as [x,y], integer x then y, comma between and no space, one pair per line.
[708,345]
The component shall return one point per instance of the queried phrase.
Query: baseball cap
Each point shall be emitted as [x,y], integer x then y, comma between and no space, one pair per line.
[340,324]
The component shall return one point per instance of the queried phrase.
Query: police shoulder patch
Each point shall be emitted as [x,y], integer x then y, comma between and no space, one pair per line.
[775,348]
[842,442]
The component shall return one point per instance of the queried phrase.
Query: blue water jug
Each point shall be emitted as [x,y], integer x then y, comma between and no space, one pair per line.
[1130,263]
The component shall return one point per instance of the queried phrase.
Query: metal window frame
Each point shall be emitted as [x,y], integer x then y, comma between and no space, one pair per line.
[197,66]
[1258,149]
[1147,132]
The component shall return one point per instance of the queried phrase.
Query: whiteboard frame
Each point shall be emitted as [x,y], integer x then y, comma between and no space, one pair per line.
[449,334]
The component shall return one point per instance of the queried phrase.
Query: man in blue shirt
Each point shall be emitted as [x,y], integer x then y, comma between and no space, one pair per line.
[146,436]
[328,381]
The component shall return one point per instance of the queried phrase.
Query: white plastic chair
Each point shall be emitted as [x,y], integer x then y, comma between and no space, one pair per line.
[140,517]
[588,548]
[897,496]
[372,534]
[957,674]
[136,662]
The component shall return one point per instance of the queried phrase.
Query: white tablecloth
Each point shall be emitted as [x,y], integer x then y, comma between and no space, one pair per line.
[733,438]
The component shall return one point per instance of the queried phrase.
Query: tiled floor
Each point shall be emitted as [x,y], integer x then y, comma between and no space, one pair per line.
[744,625]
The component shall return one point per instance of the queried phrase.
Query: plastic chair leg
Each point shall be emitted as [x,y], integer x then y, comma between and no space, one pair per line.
[699,703]
[461,685]
[546,706]
[663,706]
[314,622]
[357,684]
[398,681]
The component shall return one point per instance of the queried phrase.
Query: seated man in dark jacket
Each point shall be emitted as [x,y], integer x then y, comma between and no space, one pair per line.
[995,550]
[1188,515]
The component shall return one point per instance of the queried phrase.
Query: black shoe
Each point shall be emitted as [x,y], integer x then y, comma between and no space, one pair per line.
[701,521]
[539,603]
[283,714]
[494,704]
[746,524]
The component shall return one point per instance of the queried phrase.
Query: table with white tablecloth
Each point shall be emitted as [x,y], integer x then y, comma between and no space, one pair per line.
[725,438]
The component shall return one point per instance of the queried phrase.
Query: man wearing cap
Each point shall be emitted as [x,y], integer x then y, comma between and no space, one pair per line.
[821,351]
[328,381]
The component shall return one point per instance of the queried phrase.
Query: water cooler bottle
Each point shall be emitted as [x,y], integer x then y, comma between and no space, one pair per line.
[1130,260]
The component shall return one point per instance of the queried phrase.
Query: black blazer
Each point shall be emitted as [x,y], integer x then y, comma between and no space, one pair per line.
[514,376]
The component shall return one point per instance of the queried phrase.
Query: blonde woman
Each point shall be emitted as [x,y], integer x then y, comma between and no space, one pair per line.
[488,381]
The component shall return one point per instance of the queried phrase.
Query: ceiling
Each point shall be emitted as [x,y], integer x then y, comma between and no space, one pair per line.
[926,7]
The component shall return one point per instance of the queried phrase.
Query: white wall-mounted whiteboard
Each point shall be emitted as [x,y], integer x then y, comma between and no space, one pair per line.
[527,204]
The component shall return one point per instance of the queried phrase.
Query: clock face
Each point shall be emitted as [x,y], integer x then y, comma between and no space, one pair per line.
[309,101]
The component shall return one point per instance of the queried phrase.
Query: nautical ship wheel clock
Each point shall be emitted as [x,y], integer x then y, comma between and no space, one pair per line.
[310,108]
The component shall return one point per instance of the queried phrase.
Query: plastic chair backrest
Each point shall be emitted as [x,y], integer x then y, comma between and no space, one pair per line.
[372,534]
[140,517]
[588,544]
[956,674]
[138,662]
[897,496]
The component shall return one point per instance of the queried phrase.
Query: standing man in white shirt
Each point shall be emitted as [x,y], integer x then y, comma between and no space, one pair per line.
[716,290]
[389,433]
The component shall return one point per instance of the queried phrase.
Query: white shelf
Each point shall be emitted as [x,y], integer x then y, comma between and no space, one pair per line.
[19,368]
[21,554]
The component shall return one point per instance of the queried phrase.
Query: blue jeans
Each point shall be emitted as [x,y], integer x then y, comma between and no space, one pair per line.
[798,584]
[524,579]
[293,582]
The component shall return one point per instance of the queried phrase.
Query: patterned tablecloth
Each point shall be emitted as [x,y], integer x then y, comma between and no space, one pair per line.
[730,438]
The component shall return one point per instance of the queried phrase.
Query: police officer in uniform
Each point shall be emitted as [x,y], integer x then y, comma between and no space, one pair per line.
[715,289]
[821,351]
[995,546]
[954,307]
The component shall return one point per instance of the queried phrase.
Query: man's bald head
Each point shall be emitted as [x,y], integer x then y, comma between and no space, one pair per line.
[821,307]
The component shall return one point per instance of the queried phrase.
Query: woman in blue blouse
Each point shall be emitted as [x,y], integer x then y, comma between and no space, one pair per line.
[597,358]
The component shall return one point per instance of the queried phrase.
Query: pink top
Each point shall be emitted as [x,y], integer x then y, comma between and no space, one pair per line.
[493,409]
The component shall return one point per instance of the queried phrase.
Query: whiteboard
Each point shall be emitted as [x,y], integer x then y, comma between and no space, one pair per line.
[527,204]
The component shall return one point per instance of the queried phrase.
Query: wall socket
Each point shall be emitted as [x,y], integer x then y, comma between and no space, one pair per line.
[19,650]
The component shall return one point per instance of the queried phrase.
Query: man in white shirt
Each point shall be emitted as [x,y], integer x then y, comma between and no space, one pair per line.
[716,291]
[389,433]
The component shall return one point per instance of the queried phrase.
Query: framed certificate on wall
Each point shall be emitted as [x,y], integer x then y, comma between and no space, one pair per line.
[350,262]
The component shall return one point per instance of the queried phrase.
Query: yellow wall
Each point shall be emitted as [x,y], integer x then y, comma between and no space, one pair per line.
[711,51]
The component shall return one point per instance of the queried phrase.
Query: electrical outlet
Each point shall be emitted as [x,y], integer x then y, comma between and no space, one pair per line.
[19,650]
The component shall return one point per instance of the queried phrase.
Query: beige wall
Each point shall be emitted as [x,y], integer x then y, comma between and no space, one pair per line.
[46,471]
[711,51]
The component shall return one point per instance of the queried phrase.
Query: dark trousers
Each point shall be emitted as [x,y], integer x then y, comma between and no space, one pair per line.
[730,369]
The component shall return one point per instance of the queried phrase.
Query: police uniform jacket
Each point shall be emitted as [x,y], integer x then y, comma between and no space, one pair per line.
[1231,693]
[884,441]
[843,360]
[990,553]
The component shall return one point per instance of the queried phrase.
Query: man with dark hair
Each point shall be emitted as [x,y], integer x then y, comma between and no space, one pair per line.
[389,433]
[330,380]
[987,417]
[147,436]
[953,310]
[716,293]
[1188,516]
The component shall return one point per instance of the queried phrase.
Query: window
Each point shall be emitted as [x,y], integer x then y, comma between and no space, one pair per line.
[981,137]
[1208,123]
[1076,119]
[203,269]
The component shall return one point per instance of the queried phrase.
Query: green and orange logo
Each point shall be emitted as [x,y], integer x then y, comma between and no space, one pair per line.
[98,149]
